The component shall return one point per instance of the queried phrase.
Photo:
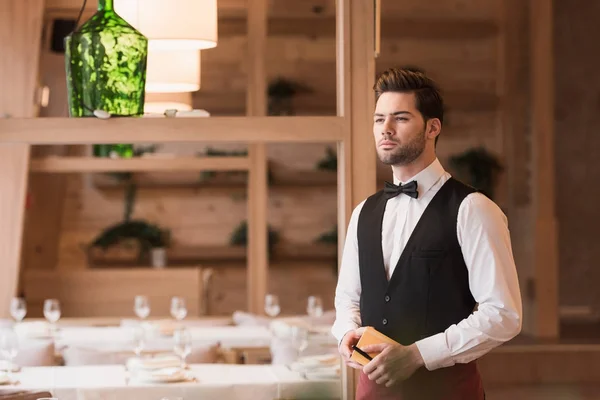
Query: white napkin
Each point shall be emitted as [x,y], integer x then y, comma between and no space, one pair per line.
[173,374]
[154,363]
[6,366]
[33,329]
[164,327]
[4,378]
[304,364]
[283,327]
[324,373]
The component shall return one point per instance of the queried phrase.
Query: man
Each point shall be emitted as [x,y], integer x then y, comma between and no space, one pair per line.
[427,261]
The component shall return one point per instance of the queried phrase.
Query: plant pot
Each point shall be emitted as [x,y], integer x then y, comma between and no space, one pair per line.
[158,257]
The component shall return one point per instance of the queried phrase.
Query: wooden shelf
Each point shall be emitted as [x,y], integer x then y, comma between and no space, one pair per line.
[186,179]
[170,130]
[157,163]
[219,255]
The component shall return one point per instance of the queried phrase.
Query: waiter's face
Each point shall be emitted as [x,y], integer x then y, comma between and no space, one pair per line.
[399,129]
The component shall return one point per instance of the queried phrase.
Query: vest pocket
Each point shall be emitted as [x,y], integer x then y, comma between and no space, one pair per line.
[427,263]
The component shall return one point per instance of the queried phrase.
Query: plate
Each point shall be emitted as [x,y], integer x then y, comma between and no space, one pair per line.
[322,359]
[324,373]
[168,375]
[8,367]
[4,379]
[153,364]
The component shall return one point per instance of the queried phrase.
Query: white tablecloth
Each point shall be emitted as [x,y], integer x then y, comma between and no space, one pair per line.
[122,337]
[214,381]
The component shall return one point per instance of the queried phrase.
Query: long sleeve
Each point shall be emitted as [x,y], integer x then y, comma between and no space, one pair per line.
[347,293]
[484,237]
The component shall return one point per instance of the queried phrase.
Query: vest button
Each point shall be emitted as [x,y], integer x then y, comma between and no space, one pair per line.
[384,321]
[387,299]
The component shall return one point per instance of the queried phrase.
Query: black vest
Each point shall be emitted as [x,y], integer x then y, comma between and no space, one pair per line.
[429,288]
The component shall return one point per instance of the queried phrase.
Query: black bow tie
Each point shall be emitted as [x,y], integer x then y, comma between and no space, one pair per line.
[410,189]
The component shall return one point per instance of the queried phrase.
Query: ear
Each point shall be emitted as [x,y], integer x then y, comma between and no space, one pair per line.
[433,128]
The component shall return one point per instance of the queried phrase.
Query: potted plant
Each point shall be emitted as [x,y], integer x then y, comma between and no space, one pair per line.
[478,168]
[239,236]
[281,93]
[150,239]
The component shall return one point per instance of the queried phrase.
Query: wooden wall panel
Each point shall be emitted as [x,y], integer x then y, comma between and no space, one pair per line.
[20,32]
[447,9]
[227,287]
[110,293]
[197,217]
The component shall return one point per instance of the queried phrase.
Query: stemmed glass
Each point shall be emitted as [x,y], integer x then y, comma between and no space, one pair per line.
[9,348]
[18,308]
[314,307]
[183,344]
[272,307]
[139,340]
[52,312]
[299,338]
[178,308]
[141,307]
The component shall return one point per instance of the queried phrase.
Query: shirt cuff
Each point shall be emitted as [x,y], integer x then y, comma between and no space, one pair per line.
[340,329]
[435,352]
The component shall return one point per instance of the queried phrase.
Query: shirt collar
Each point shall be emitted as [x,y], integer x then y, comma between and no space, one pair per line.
[426,178]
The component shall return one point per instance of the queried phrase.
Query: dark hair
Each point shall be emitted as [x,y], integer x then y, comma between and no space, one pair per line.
[428,98]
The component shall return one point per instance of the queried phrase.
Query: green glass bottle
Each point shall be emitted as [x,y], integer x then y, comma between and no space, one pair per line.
[106,70]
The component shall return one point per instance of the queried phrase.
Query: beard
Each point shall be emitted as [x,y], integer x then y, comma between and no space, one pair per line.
[403,154]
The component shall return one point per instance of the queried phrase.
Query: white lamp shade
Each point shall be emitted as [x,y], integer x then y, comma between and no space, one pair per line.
[173,71]
[173,24]
[158,103]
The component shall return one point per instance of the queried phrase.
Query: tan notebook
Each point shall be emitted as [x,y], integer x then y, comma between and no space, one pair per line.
[369,337]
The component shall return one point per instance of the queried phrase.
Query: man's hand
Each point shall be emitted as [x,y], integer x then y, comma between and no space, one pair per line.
[350,339]
[393,364]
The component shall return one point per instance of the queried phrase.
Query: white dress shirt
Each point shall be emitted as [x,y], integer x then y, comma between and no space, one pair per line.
[482,232]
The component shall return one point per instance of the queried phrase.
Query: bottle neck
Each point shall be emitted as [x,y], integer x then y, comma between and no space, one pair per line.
[105,5]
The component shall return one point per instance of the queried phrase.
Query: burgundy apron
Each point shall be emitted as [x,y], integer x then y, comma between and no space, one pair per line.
[459,382]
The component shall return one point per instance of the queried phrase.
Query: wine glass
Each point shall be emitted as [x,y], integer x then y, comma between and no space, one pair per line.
[139,340]
[183,344]
[178,308]
[9,347]
[299,338]
[18,308]
[142,307]
[52,312]
[272,305]
[315,306]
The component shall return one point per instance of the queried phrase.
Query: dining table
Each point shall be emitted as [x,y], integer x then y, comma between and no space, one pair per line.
[202,381]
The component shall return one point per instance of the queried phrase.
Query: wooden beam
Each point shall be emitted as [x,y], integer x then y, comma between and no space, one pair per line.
[357,169]
[258,245]
[169,130]
[515,135]
[543,183]
[362,67]
[138,164]
[20,33]
[344,151]
[392,28]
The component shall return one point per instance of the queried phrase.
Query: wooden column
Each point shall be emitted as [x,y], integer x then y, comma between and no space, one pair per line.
[355,102]
[513,86]
[256,105]
[545,250]
[20,33]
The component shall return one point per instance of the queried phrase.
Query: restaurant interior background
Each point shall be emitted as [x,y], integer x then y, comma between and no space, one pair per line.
[529,145]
